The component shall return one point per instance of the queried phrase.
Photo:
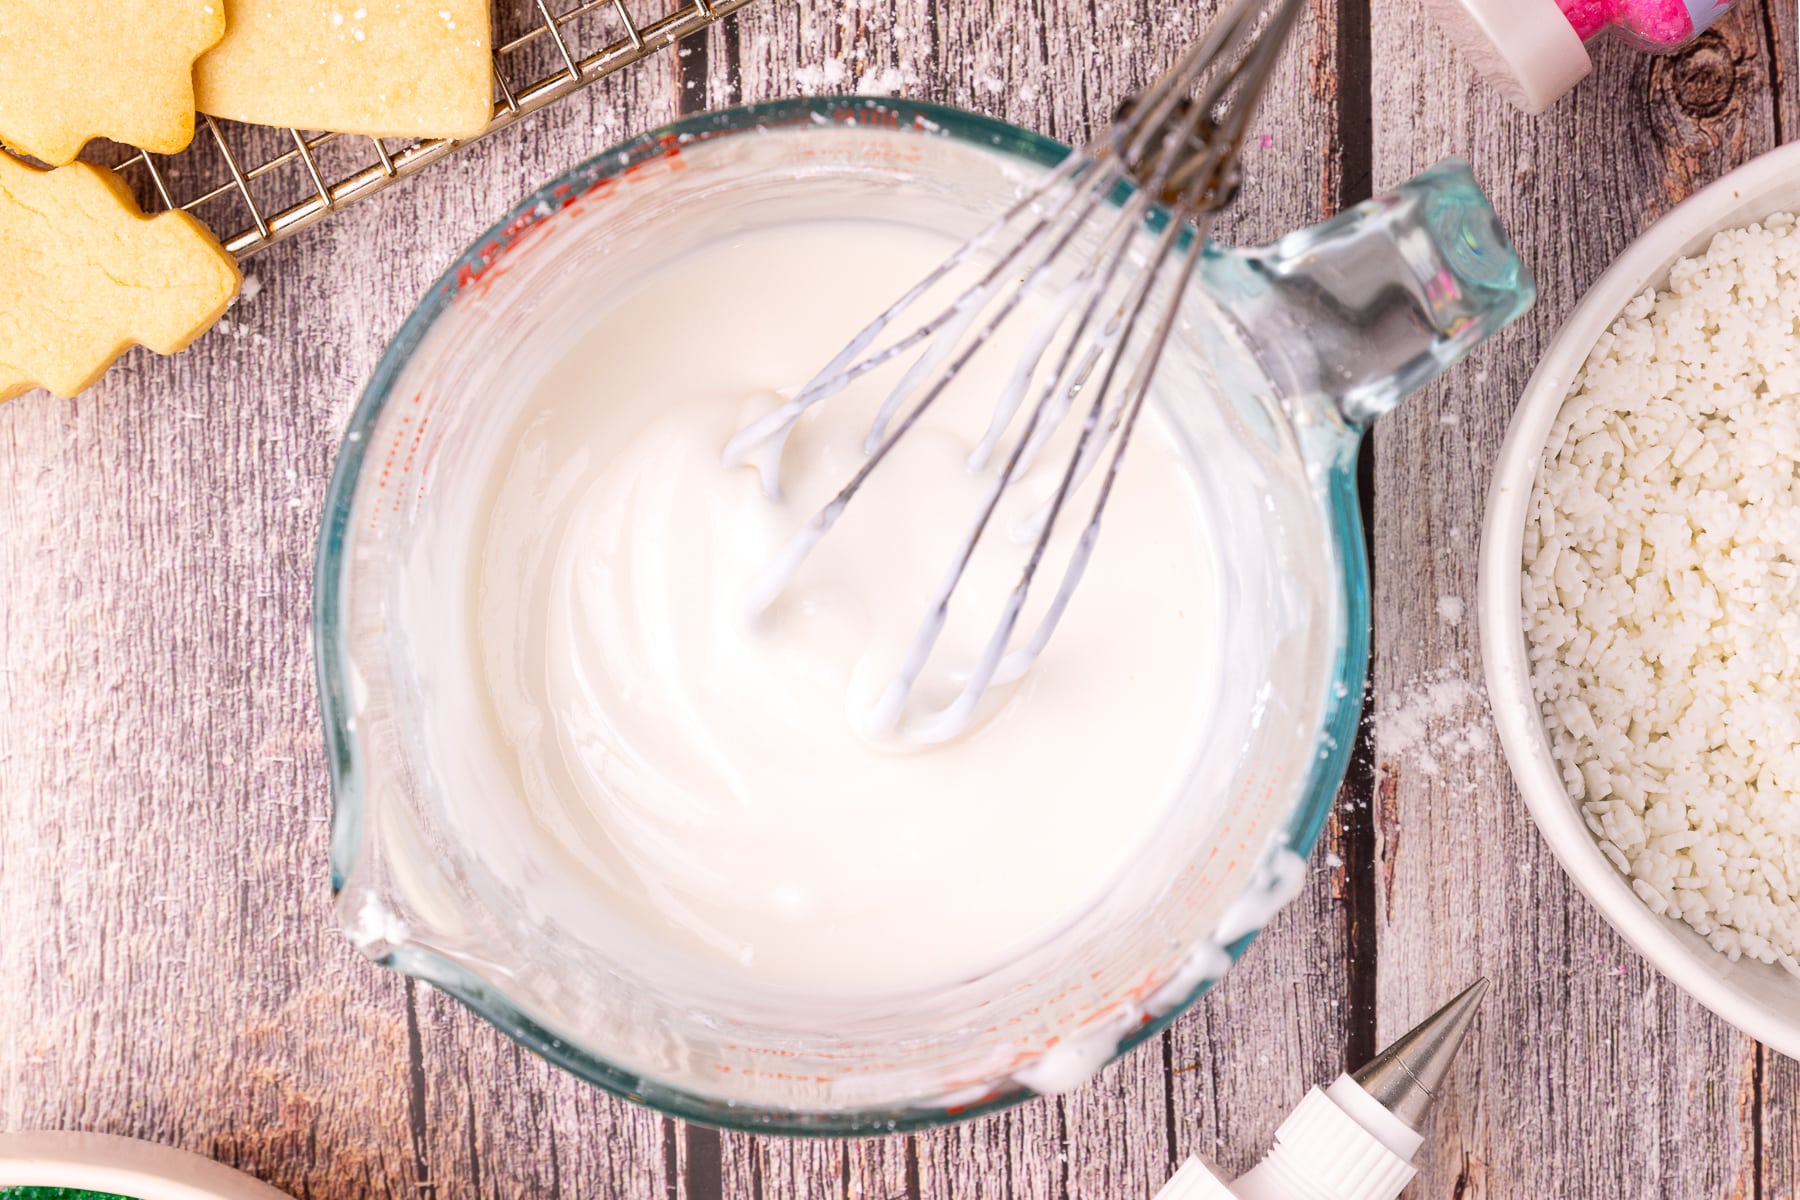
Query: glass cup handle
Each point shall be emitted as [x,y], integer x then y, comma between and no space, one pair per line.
[1359,311]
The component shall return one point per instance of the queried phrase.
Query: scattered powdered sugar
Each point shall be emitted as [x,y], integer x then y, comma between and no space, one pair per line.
[886,82]
[1662,593]
[837,74]
[821,77]
[868,52]
[1450,610]
[1437,721]
[248,290]
[241,330]
[865,52]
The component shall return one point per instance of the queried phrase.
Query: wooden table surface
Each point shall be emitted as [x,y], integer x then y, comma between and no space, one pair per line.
[169,963]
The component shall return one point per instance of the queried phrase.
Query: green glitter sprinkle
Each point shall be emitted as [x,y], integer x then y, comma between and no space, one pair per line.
[46,1193]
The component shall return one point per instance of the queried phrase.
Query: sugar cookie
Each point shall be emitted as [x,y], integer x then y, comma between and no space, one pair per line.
[84,274]
[416,68]
[71,70]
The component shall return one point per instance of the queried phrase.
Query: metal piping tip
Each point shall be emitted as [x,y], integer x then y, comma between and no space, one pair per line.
[1407,1076]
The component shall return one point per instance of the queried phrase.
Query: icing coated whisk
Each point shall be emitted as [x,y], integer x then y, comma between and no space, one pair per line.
[1174,144]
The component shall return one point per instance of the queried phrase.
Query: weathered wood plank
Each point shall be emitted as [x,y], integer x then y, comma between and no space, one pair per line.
[169,963]
[1589,1075]
[1249,1051]
[1780,1133]
[1112,1138]
[1282,1019]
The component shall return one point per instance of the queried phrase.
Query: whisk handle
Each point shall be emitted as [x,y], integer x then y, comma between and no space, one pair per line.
[1359,311]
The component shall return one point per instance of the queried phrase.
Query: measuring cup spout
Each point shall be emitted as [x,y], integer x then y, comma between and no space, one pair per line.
[1355,313]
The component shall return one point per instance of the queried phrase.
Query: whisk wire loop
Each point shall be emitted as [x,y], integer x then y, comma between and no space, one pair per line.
[847,365]
[994,665]
[1095,286]
[1175,144]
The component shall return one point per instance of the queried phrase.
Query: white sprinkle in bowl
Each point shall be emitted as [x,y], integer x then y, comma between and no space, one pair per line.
[1761,999]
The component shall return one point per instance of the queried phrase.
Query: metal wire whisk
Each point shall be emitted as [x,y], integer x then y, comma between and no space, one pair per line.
[1176,143]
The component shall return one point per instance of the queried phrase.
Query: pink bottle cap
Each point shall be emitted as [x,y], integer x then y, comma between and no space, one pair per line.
[1525,48]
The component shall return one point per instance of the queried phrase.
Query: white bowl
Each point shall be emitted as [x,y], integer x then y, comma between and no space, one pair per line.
[121,1166]
[1762,1000]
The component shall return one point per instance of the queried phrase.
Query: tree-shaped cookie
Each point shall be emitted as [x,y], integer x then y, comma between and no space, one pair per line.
[71,70]
[418,68]
[84,274]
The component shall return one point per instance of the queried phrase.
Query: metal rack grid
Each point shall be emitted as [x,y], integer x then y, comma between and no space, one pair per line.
[282,180]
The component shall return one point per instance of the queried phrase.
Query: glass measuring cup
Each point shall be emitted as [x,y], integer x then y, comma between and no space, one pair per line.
[1307,339]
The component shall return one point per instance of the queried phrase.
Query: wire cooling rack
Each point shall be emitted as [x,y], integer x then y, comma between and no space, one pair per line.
[254,185]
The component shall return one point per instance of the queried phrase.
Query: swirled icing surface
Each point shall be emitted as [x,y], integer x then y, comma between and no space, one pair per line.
[710,776]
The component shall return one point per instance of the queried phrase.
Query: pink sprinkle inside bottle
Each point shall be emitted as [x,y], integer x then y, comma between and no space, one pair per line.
[1534,50]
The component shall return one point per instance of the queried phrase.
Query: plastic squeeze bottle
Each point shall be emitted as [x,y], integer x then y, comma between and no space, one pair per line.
[1535,50]
[1355,1139]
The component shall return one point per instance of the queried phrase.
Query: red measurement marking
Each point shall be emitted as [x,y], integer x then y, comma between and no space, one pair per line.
[391,454]
[413,452]
[387,469]
[1146,984]
[483,267]
[520,224]
[752,1073]
[867,114]
[990,1094]
[467,274]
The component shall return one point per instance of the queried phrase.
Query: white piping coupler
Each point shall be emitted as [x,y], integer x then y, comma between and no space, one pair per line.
[1355,1139]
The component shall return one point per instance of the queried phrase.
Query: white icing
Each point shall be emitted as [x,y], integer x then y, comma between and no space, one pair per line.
[728,784]
[1277,882]
[1069,1063]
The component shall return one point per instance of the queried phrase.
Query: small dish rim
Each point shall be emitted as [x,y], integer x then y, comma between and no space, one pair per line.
[129,1168]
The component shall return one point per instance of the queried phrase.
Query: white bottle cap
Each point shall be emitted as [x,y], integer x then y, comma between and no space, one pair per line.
[1322,1152]
[1525,48]
[1354,1140]
[1197,1180]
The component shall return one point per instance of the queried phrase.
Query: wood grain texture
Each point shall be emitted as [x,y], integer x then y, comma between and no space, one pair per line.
[169,964]
[1059,69]
[1589,1075]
